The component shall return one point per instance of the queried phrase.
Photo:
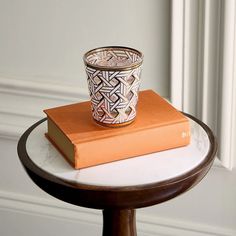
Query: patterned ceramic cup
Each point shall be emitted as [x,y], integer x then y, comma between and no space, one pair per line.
[113,81]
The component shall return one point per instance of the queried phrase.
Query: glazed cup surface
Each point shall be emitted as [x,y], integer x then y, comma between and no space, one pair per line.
[113,75]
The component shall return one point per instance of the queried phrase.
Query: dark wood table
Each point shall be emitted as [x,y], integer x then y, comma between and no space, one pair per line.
[118,188]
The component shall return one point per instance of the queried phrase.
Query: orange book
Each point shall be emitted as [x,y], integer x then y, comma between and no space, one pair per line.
[158,126]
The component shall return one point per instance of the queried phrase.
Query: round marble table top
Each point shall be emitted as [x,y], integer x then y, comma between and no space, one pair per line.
[142,170]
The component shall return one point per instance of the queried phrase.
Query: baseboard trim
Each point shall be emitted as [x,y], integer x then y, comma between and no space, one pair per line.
[146,224]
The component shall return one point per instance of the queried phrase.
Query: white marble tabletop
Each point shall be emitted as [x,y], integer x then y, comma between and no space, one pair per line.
[146,169]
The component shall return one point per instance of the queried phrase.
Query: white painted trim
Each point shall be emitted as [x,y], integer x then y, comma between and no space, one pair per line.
[11,132]
[191,56]
[177,54]
[228,83]
[146,224]
[203,80]
[33,87]
[26,101]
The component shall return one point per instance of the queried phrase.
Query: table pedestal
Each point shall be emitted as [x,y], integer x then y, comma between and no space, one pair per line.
[119,222]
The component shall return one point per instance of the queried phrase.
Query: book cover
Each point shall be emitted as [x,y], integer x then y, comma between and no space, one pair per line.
[157,127]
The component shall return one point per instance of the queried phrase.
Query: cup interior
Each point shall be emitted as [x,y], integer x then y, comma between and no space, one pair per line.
[113,57]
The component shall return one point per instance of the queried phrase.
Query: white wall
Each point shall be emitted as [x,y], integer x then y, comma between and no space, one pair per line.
[41,48]
[45,40]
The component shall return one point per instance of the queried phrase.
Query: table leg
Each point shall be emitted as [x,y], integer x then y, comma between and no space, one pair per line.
[119,222]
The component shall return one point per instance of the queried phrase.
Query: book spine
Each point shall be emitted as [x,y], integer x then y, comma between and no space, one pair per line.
[131,144]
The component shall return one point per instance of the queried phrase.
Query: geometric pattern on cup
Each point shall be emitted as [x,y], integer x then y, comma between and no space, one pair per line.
[114,94]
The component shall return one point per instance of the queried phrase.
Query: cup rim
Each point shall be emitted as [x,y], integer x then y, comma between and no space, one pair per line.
[113,68]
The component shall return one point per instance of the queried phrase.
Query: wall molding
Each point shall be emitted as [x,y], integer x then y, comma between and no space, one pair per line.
[26,100]
[18,86]
[146,224]
[227,83]
[202,67]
